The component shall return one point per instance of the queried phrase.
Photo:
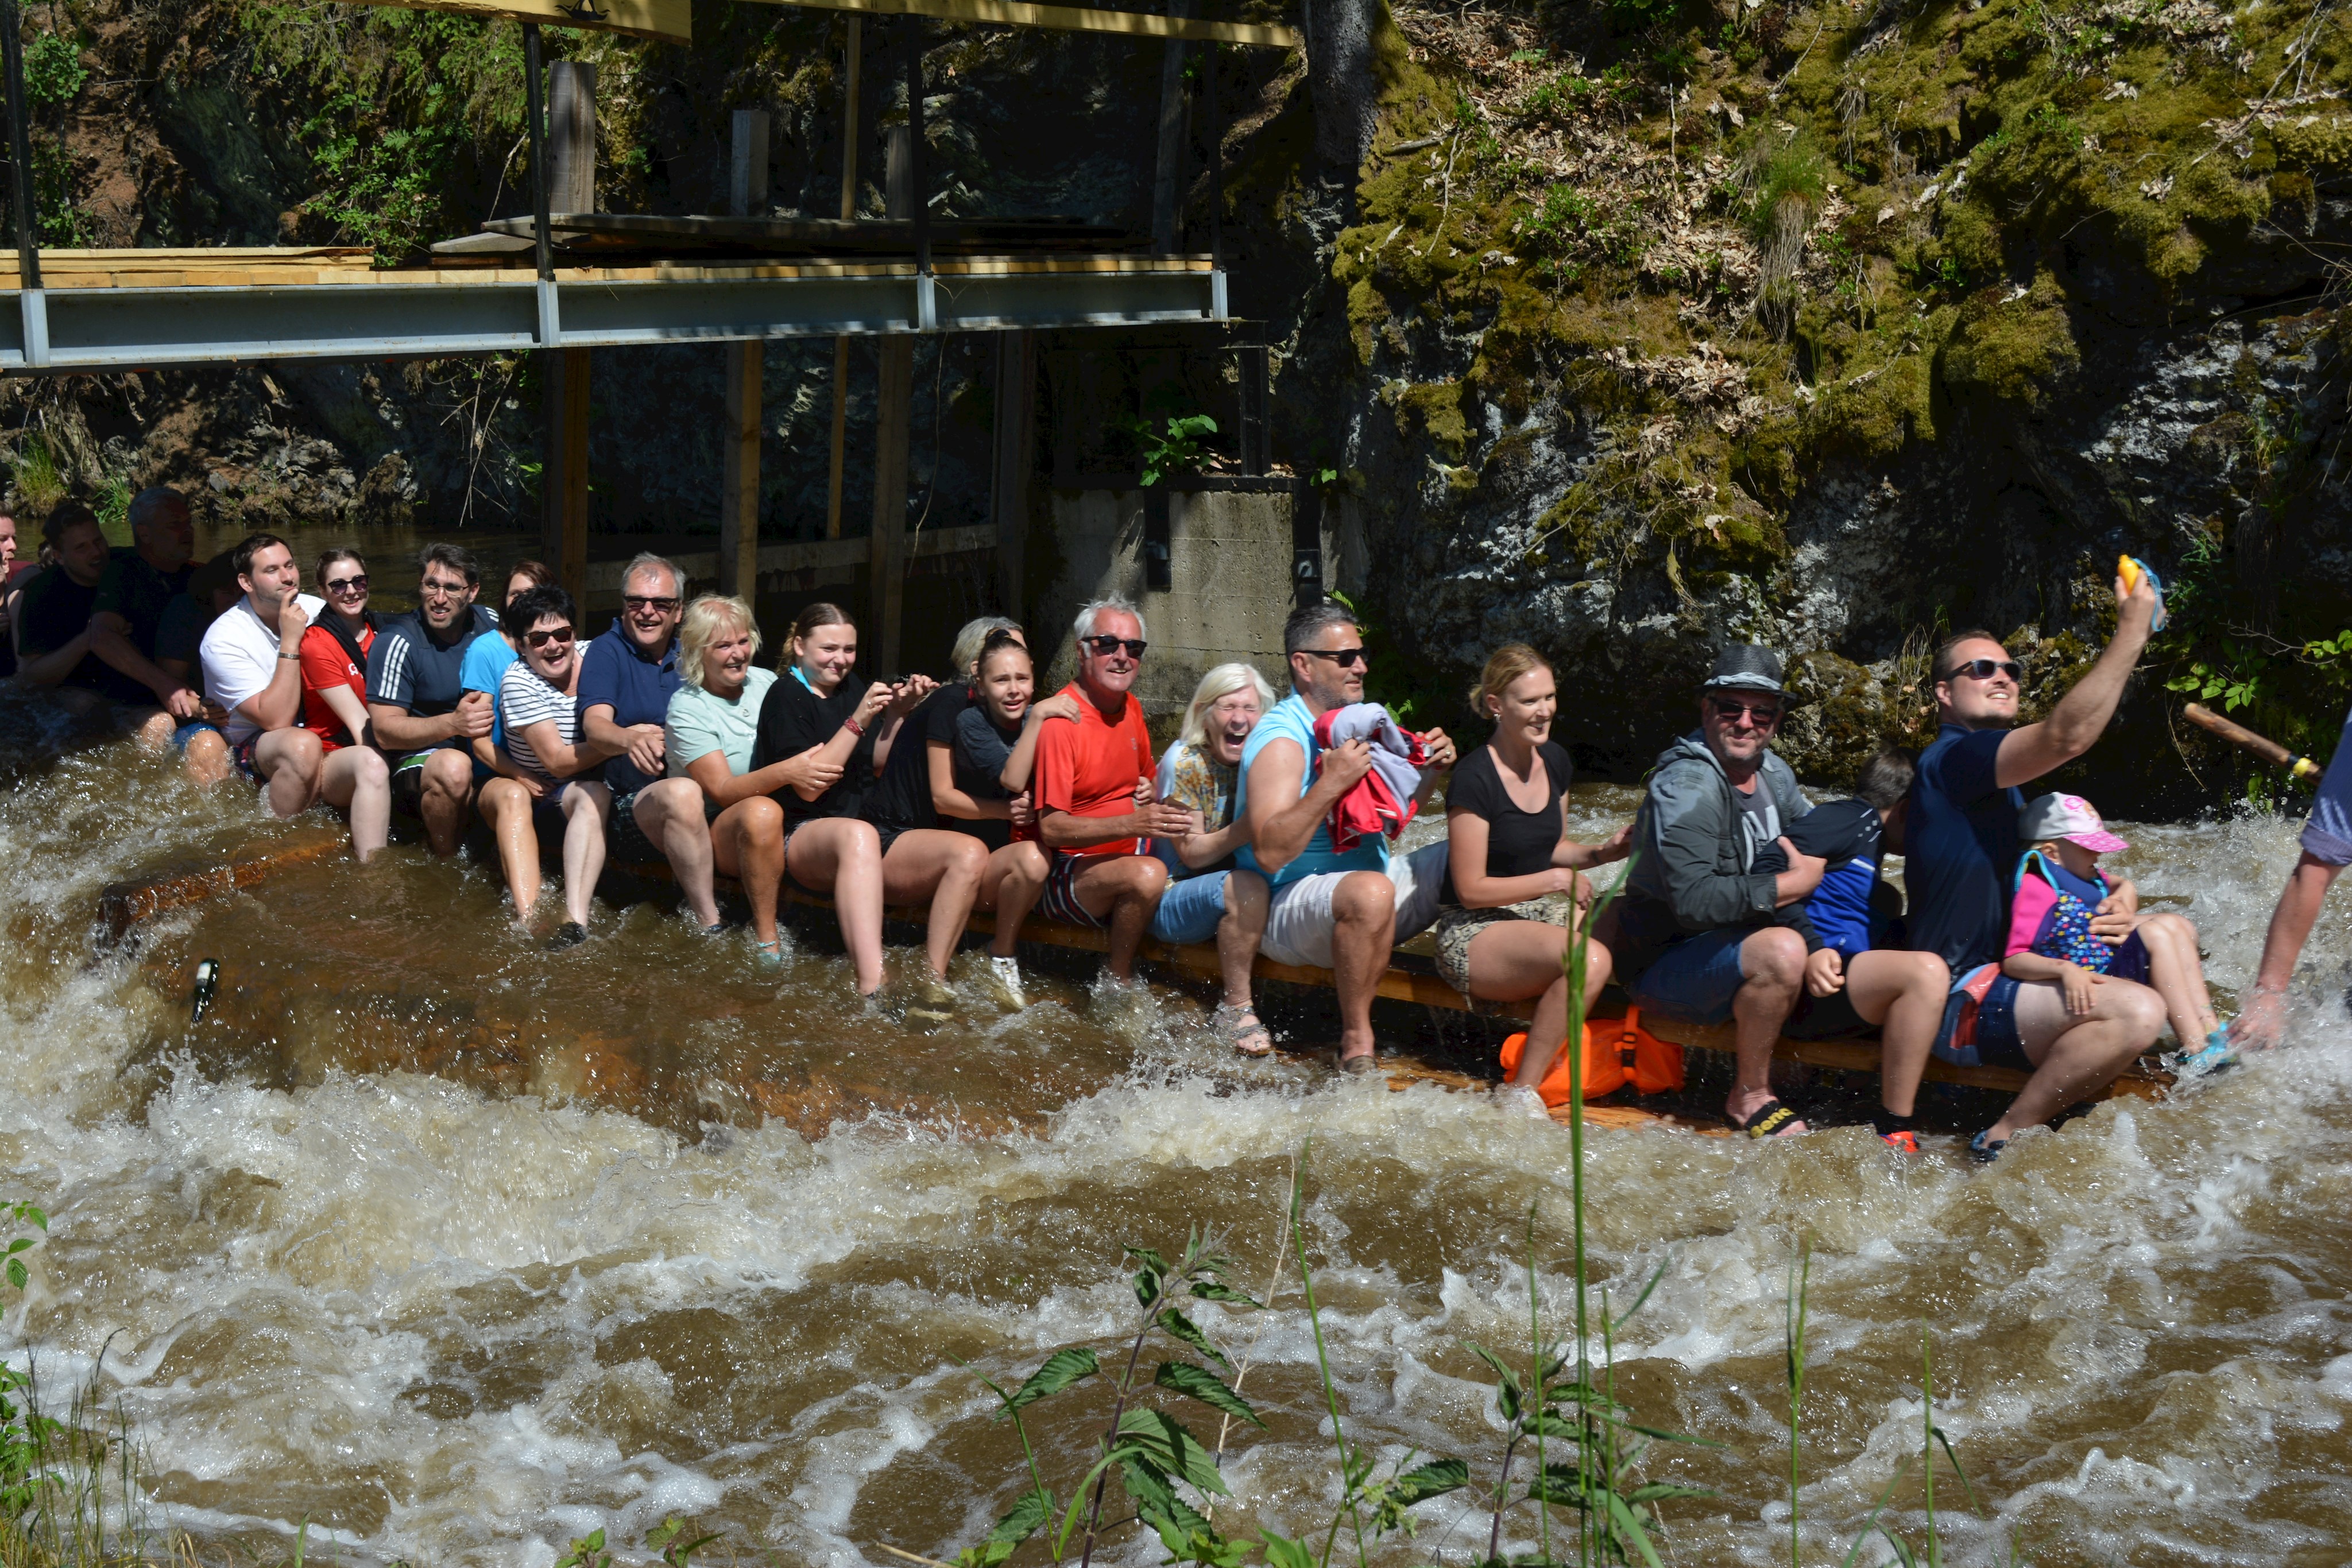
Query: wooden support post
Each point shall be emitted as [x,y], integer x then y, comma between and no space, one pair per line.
[850,124]
[1167,185]
[893,429]
[1016,444]
[739,457]
[564,468]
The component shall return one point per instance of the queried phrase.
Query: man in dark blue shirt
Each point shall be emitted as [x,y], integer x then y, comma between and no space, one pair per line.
[625,691]
[1960,853]
[424,720]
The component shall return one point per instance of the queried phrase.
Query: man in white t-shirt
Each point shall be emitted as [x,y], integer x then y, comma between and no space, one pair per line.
[253,666]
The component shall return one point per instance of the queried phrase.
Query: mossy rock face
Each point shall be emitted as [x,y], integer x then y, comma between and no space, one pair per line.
[2014,351]
[1845,712]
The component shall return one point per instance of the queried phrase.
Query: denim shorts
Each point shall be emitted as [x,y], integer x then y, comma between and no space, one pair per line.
[188,730]
[1190,909]
[1996,1044]
[1695,979]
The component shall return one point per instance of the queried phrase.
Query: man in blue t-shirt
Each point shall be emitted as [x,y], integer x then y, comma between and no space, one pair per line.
[1333,911]
[424,718]
[625,691]
[1960,855]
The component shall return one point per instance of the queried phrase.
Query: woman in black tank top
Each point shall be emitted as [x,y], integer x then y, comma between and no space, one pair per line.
[1513,897]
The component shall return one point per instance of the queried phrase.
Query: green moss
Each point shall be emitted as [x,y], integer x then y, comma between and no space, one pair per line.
[2013,351]
[1436,408]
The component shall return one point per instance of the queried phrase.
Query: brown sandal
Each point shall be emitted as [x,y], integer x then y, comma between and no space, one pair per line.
[1239,1028]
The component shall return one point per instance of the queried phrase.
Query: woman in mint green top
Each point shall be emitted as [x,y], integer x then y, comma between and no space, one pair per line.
[707,735]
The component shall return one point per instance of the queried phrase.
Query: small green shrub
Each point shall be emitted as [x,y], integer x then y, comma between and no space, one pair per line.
[53,69]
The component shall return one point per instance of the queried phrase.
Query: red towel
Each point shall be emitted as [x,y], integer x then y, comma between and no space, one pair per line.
[1372,804]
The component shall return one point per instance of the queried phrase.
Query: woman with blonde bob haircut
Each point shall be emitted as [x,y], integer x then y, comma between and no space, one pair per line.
[1208,894]
[708,733]
[1501,931]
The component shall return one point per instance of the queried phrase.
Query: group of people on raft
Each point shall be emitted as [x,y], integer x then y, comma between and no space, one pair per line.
[1267,826]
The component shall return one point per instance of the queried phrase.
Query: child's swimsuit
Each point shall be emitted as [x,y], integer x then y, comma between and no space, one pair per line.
[2051,913]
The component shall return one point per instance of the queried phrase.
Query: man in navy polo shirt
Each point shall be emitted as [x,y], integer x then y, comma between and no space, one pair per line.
[424,720]
[1961,850]
[625,692]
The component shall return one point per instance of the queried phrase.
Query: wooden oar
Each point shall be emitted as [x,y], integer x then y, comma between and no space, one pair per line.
[1411,978]
[2262,745]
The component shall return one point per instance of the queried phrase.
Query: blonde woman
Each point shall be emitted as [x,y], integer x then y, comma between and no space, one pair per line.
[1500,933]
[1209,895]
[708,736]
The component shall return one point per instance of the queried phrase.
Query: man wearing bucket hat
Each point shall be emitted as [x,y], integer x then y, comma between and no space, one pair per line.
[1961,845]
[1693,933]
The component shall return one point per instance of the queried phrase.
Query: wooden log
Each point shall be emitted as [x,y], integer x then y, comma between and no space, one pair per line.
[1072,18]
[122,905]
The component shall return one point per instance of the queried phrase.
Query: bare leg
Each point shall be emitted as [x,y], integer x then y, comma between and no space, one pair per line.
[153,726]
[587,805]
[1771,969]
[357,783]
[2076,1054]
[747,842]
[1122,891]
[843,856]
[206,757]
[505,805]
[1515,960]
[446,798]
[1903,994]
[1011,886]
[291,759]
[669,814]
[2177,974]
[1363,931]
[1238,933]
[945,867]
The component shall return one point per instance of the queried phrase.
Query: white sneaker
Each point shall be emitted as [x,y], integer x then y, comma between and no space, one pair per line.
[1007,971]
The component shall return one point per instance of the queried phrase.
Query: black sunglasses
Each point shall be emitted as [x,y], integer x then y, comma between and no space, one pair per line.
[1344,657]
[542,639]
[1982,669]
[1758,714]
[1106,647]
[347,584]
[648,602]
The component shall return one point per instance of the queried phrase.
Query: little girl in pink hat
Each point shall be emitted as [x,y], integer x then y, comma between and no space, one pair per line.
[2059,891]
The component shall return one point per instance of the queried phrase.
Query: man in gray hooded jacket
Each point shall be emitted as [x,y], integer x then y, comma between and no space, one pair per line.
[1693,930]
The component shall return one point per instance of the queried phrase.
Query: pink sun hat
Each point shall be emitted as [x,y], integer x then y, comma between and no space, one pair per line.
[2068,817]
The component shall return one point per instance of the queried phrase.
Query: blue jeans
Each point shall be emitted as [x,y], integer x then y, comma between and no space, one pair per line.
[1695,978]
[1190,909]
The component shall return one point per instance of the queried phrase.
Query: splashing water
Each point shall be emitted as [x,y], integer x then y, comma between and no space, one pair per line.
[461,1249]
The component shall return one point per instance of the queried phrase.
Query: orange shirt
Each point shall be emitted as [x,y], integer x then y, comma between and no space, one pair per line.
[1090,768]
[327,662]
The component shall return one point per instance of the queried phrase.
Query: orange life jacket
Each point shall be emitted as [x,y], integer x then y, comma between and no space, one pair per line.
[1617,1051]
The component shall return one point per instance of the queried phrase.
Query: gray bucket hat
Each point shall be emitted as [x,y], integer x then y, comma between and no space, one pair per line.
[1745,668]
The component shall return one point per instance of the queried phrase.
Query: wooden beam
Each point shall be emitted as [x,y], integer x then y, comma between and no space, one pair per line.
[893,428]
[1167,170]
[564,477]
[1068,19]
[1015,456]
[739,457]
[849,138]
[668,21]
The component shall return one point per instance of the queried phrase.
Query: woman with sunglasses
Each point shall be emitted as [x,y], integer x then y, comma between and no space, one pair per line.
[819,701]
[539,694]
[334,657]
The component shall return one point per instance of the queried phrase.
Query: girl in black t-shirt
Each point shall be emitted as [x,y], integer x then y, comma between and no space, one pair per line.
[819,701]
[1512,896]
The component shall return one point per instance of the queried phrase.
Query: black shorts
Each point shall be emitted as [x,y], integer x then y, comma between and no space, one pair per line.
[408,781]
[624,841]
[1825,1017]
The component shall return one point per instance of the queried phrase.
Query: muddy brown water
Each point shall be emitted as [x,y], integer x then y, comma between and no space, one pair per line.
[461,1249]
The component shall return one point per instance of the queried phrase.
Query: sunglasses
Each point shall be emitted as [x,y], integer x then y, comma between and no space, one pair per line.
[1982,669]
[1758,714]
[347,584]
[1106,647]
[561,636]
[645,602]
[1345,658]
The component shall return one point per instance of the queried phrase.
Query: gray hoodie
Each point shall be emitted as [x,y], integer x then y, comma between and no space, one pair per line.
[1693,866]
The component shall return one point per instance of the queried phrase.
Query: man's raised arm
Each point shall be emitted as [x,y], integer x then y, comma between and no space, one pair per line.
[2082,715]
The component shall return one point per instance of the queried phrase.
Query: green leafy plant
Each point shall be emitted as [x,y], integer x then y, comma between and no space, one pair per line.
[1177,448]
[53,69]
[587,1552]
[663,1539]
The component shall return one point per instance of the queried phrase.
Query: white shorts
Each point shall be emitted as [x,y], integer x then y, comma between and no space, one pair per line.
[1298,918]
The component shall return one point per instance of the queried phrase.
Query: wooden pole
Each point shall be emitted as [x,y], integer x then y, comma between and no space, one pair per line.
[893,429]
[739,490]
[1016,442]
[570,187]
[849,124]
[1167,179]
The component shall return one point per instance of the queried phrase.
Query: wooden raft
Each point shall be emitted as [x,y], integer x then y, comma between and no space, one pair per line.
[1409,979]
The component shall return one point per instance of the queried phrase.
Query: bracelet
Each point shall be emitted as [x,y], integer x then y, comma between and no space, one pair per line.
[285,655]
[853,726]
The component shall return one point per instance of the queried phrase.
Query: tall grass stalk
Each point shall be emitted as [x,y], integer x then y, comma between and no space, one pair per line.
[81,1496]
[1800,1277]
[1348,1472]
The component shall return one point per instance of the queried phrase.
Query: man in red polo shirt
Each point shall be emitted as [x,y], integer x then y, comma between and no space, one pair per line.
[1093,790]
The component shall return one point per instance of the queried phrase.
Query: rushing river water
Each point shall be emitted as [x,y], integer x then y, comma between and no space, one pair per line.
[459,1248]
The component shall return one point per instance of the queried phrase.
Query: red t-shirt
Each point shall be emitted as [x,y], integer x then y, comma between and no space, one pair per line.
[327,662]
[1090,768]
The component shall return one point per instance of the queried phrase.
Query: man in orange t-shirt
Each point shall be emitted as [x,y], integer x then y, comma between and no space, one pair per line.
[1093,790]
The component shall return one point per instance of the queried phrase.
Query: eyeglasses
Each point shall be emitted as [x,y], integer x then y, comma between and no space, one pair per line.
[1728,709]
[1982,669]
[1344,657]
[347,584]
[647,601]
[561,636]
[1105,647]
[433,588]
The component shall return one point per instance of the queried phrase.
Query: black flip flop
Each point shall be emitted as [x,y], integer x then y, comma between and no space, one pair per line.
[1766,1120]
